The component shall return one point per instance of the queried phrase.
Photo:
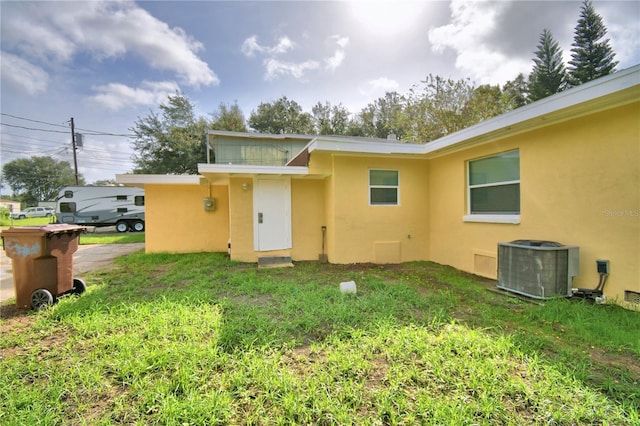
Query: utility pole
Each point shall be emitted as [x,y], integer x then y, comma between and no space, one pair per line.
[73,145]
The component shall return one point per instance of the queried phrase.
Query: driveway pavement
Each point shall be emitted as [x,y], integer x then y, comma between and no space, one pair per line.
[87,258]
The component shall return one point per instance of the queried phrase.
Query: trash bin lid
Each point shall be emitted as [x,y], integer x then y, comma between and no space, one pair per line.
[61,228]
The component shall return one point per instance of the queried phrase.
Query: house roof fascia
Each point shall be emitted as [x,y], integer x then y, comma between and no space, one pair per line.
[248,135]
[143,179]
[356,146]
[245,169]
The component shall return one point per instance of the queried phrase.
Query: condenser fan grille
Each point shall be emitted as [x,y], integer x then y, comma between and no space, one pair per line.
[536,269]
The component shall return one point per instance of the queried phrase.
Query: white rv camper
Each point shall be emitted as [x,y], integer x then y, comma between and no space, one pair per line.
[121,206]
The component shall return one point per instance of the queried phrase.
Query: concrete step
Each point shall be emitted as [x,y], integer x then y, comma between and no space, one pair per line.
[274,262]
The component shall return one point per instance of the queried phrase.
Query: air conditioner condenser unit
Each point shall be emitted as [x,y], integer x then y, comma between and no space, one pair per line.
[537,269]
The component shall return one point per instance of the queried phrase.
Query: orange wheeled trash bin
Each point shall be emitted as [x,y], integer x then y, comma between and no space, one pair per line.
[42,262]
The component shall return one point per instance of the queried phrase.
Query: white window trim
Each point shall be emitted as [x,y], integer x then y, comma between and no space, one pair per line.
[397,188]
[489,218]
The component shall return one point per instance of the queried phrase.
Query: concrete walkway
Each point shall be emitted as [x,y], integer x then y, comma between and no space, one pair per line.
[87,258]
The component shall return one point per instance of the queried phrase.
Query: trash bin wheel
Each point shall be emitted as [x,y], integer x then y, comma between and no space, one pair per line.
[41,299]
[138,226]
[122,226]
[79,286]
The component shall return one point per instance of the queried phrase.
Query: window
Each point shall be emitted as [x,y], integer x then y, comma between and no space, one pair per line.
[494,188]
[383,187]
[121,197]
[67,207]
[68,194]
[122,210]
[138,200]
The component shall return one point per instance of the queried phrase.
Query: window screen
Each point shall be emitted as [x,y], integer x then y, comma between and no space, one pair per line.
[383,187]
[494,184]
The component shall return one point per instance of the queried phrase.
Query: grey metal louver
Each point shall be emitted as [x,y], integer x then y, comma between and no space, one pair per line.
[537,269]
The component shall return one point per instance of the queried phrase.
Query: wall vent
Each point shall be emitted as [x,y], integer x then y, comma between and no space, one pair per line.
[537,269]
[632,296]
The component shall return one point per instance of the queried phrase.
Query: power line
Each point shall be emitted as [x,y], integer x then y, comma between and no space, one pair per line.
[28,137]
[90,154]
[33,128]
[98,133]
[88,131]
[32,120]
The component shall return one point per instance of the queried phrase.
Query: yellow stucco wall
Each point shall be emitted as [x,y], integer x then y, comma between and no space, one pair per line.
[241,219]
[382,234]
[307,218]
[177,222]
[579,185]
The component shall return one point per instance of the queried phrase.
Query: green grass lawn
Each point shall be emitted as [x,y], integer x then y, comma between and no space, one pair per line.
[87,238]
[112,238]
[31,221]
[197,339]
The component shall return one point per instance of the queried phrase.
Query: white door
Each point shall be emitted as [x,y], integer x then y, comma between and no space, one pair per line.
[272,214]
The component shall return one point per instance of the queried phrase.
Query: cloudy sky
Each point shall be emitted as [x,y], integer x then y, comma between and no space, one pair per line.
[108,63]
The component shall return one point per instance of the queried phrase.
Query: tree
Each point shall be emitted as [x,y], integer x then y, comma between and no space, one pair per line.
[228,117]
[280,117]
[549,75]
[516,91]
[170,143]
[443,106]
[591,56]
[330,120]
[38,178]
[381,118]
[486,101]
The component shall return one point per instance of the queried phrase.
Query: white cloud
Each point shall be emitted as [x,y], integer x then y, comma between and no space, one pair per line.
[340,40]
[378,86]
[250,46]
[623,39]
[275,68]
[115,96]
[471,28]
[335,61]
[56,31]
[22,74]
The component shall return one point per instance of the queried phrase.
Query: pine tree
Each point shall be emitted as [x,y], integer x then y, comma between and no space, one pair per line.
[592,57]
[549,75]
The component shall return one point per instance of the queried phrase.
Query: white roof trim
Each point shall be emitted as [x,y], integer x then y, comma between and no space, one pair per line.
[337,145]
[253,170]
[248,135]
[133,179]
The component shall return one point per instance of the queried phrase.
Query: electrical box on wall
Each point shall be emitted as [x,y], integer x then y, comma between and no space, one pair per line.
[209,204]
[602,266]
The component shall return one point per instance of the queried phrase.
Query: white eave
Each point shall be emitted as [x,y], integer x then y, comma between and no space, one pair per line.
[336,144]
[141,180]
[247,135]
[250,170]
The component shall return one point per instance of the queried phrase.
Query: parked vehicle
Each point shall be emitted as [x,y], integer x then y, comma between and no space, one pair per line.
[119,206]
[33,212]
